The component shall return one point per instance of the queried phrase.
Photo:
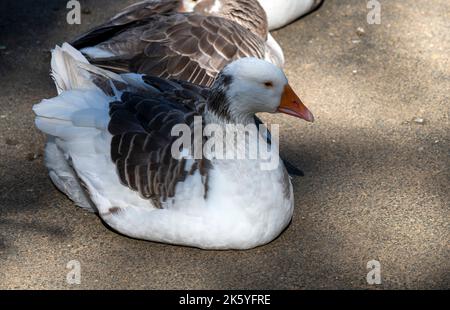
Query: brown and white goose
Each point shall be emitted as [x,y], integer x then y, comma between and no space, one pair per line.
[152,37]
[111,149]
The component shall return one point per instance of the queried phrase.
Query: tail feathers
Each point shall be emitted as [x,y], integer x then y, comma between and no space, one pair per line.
[85,92]
[63,129]
[73,114]
[65,70]
[63,106]
[71,70]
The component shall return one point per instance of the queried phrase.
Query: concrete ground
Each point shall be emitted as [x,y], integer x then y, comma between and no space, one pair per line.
[377,177]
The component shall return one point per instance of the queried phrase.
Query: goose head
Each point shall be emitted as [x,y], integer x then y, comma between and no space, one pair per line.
[248,86]
[247,13]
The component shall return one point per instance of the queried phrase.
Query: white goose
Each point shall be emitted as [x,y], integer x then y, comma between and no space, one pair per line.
[112,153]
[282,12]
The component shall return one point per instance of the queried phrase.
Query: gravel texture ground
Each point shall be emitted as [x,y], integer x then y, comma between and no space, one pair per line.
[376,161]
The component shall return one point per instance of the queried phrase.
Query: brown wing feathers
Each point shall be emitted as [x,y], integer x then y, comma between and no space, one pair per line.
[141,146]
[186,47]
[180,46]
[128,18]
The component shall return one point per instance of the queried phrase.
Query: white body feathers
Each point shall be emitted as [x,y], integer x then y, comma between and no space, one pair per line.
[246,206]
[282,12]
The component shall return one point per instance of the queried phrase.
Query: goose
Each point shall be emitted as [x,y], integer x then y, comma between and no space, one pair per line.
[193,48]
[110,150]
[181,39]
[283,12]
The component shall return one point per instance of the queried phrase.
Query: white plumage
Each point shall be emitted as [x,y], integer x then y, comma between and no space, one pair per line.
[282,12]
[246,206]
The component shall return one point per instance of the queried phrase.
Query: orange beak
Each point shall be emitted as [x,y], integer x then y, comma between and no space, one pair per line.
[292,105]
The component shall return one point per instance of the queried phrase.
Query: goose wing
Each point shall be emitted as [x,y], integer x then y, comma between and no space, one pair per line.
[186,46]
[131,16]
[141,125]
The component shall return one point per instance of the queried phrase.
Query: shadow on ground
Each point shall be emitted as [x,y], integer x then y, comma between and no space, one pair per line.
[376,183]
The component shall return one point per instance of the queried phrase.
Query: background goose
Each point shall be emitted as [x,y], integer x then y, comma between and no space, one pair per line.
[283,12]
[118,150]
[150,37]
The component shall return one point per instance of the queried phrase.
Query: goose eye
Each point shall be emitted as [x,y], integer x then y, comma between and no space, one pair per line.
[268,84]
